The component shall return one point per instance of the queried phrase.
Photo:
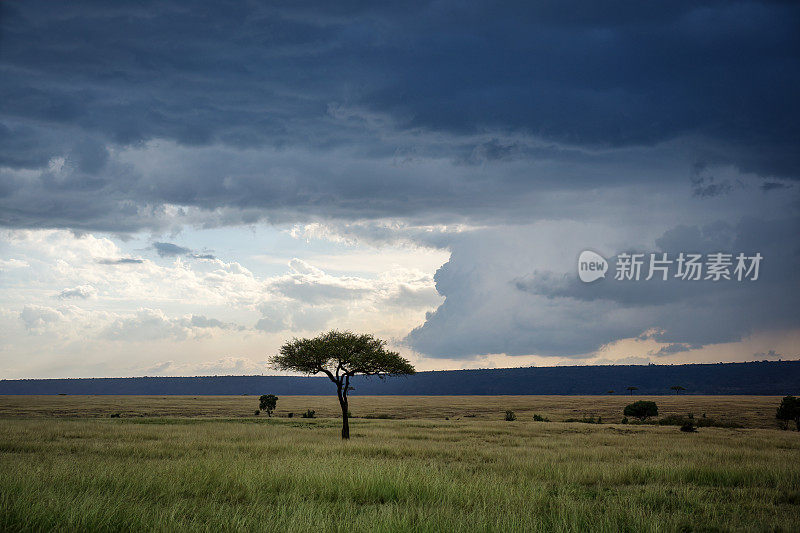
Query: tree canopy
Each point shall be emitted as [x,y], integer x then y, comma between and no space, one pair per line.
[789,409]
[341,355]
[642,409]
[268,402]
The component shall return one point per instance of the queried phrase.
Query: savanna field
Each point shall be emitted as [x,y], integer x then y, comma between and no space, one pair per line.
[412,464]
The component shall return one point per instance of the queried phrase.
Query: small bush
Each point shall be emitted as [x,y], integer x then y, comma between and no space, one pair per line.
[510,416]
[540,418]
[258,412]
[688,427]
[678,420]
[672,420]
[624,419]
[115,415]
[290,415]
[310,413]
[586,420]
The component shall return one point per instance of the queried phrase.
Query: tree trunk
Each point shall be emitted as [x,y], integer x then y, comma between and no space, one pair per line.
[345,419]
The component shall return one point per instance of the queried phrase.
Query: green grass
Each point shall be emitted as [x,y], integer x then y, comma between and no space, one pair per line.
[245,474]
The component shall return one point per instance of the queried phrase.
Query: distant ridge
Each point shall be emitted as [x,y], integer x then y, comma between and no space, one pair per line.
[759,378]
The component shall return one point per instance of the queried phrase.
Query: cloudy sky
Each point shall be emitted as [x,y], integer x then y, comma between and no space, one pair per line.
[185,186]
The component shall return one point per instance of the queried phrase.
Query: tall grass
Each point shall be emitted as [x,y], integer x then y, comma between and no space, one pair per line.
[394,475]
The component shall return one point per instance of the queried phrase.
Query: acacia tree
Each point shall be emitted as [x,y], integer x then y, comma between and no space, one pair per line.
[341,355]
[641,410]
[789,409]
[631,389]
[677,389]
[268,402]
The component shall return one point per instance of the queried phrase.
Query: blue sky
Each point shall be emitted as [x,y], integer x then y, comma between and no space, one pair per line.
[183,187]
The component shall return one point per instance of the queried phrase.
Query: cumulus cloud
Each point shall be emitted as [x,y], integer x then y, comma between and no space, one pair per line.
[81,292]
[154,324]
[37,317]
[493,306]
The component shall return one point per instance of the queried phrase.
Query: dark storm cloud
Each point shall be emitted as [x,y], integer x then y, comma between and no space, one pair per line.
[671,349]
[168,249]
[354,85]
[490,307]
[121,261]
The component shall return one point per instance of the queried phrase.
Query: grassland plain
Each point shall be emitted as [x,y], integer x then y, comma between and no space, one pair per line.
[748,411]
[178,473]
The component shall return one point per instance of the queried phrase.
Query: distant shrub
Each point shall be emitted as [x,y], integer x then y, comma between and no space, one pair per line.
[688,427]
[624,419]
[678,420]
[258,412]
[378,416]
[115,415]
[471,415]
[643,409]
[510,416]
[310,413]
[586,420]
[290,415]
[672,420]
[789,409]
[540,418]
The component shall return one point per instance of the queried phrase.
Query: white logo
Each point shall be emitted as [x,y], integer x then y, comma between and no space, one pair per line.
[591,266]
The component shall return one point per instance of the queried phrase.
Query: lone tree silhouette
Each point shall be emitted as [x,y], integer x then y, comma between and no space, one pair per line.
[268,402]
[341,355]
[677,389]
[789,409]
[631,389]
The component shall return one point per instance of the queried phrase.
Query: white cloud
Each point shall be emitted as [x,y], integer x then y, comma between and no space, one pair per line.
[7,264]
[82,292]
